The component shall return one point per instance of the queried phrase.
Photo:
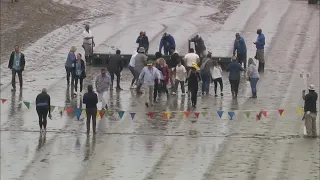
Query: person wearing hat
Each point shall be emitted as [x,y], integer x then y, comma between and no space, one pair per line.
[43,108]
[88,43]
[143,41]
[310,110]
[234,69]
[193,81]
[140,61]
[168,44]
[148,76]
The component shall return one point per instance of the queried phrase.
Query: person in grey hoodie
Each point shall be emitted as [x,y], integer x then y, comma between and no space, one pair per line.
[140,62]
[69,65]
[234,69]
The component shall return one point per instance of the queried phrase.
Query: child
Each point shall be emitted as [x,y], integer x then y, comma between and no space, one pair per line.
[181,74]
[216,77]
[193,80]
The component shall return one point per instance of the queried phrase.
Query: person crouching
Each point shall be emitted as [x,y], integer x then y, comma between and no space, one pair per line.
[193,80]
[148,75]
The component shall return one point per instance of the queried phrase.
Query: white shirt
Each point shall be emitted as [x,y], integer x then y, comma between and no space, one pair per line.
[132,60]
[181,73]
[149,75]
[216,72]
[191,58]
[86,35]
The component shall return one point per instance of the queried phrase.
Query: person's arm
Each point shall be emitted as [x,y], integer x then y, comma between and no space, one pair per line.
[49,104]
[37,100]
[95,98]
[173,42]
[121,64]
[147,43]
[23,62]
[138,39]
[234,47]
[161,44]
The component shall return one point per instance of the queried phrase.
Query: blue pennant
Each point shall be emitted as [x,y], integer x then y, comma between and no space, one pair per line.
[78,113]
[121,113]
[220,113]
[231,114]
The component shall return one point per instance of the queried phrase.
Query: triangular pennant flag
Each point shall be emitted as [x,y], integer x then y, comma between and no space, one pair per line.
[181,114]
[101,113]
[98,113]
[248,114]
[196,114]
[187,113]
[69,110]
[132,115]
[27,104]
[258,117]
[84,112]
[264,112]
[121,113]
[168,115]
[109,113]
[78,113]
[300,111]
[231,114]
[3,100]
[204,114]
[151,115]
[52,108]
[220,113]
[164,115]
[281,111]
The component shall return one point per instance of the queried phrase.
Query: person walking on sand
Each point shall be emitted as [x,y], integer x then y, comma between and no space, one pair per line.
[103,83]
[69,65]
[180,78]
[90,99]
[163,68]
[205,73]
[310,111]
[149,74]
[253,77]
[241,48]
[193,81]
[143,41]
[88,43]
[16,64]
[216,78]
[260,43]
[79,71]
[43,108]
[115,66]
[131,68]
[140,61]
[234,69]
[191,58]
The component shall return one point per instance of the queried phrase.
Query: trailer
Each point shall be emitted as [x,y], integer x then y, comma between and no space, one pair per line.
[313,1]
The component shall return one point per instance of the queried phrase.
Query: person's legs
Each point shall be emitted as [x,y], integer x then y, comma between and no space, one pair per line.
[118,74]
[13,81]
[175,87]
[182,87]
[76,84]
[20,78]
[237,82]
[253,82]
[89,115]
[194,93]
[94,120]
[155,91]
[204,79]
[44,117]
[164,87]
[112,78]
[151,90]
[313,124]
[232,87]
[81,84]
[215,81]
[133,74]
[221,85]
[308,124]
[68,75]
[39,112]
[207,84]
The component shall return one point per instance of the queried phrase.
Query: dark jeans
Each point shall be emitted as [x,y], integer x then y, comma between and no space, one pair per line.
[76,79]
[242,59]
[69,74]
[194,94]
[42,113]
[91,114]
[216,81]
[261,67]
[118,78]
[167,52]
[253,83]
[205,76]
[234,86]
[134,75]
[176,84]
[13,82]
[159,88]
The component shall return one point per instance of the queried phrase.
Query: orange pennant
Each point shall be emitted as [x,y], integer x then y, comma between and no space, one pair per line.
[187,113]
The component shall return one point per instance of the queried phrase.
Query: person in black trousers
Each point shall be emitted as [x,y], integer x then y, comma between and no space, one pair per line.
[43,108]
[193,80]
[79,71]
[16,64]
[90,99]
[234,69]
[115,66]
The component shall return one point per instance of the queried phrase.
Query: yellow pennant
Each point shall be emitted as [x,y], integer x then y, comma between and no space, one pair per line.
[168,115]
[181,114]
[84,112]
[300,111]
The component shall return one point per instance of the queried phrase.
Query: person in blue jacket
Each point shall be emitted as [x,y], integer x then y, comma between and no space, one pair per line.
[168,44]
[143,41]
[241,48]
[260,43]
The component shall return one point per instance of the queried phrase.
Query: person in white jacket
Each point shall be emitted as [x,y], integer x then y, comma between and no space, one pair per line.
[216,77]
[148,76]
[181,74]
[131,68]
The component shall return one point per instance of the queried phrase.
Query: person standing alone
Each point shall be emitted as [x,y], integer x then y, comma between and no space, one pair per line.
[115,66]
[79,73]
[241,48]
[234,69]
[88,43]
[16,64]
[253,76]
[43,108]
[103,83]
[260,42]
[310,110]
[90,99]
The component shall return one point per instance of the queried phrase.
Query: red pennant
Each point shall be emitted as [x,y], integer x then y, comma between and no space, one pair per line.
[101,113]
[187,113]
[258,117]
[3,100]
[151,115]
[281,111]
[196,114]
[165,115]
[264,113]
[69,110]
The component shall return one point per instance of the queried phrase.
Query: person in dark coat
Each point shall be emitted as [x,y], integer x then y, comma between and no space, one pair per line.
[193,81]
[90,99]
[167,43]
[199,45]
[16,64]
[115,66]
[43,108]
[143,41]
[241,48]
[79,70]
[234,69]
[310,111]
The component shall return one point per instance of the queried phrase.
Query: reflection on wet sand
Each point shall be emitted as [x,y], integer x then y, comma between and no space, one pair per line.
[89,147]
[42,140]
